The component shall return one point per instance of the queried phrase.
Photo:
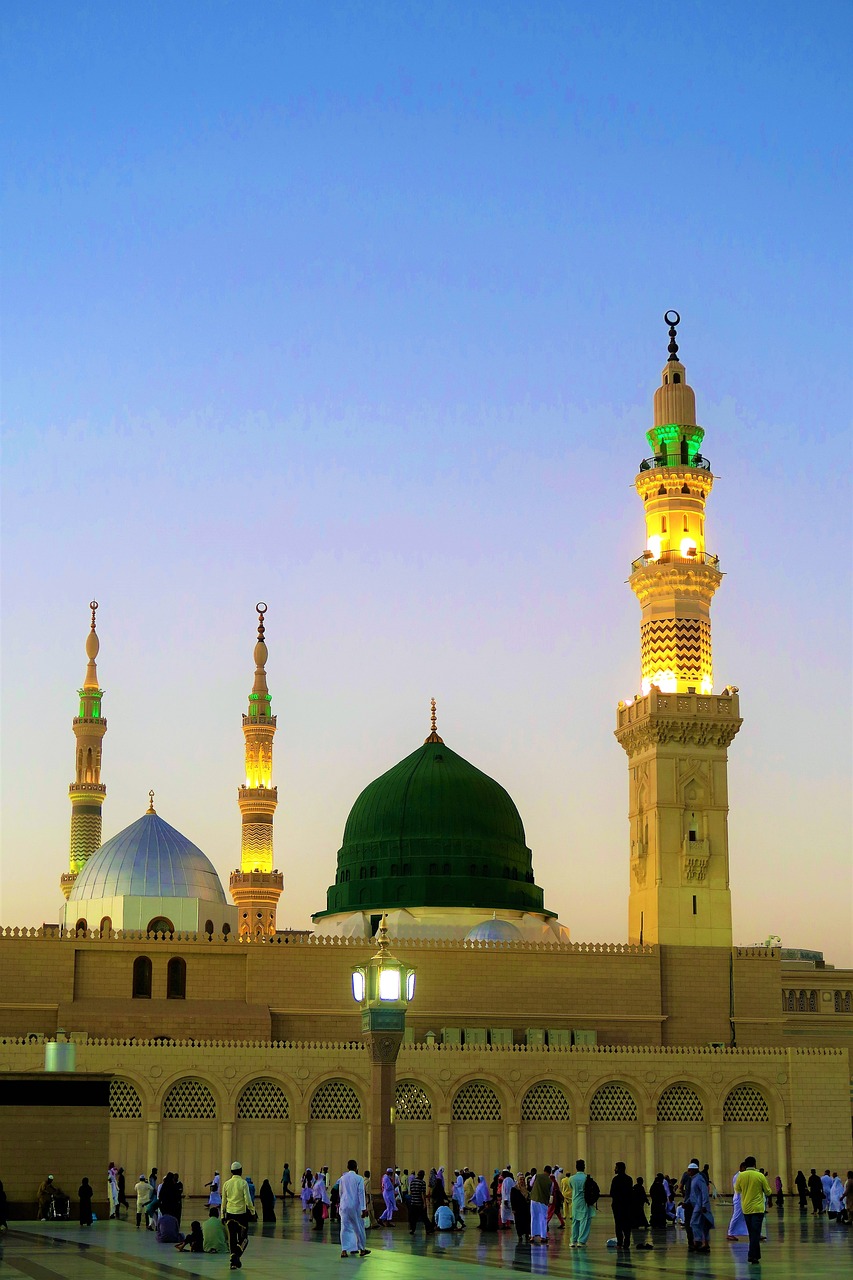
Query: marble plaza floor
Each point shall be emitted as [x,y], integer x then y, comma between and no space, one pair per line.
[798,1248]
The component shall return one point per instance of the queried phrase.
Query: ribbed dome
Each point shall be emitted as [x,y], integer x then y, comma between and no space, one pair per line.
[149,859]
[434,831]
[494,931]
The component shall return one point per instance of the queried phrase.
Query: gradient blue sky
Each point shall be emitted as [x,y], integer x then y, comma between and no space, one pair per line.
[356,308]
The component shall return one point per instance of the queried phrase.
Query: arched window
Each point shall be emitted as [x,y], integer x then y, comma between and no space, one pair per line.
[676,377]
[613,1104]
[812,1002]
[335,1100]
[801,1002]
[189,1100]
[545,1101]
[362,873]
[476,1101]
[792,1002]
[125,1102]
[411,1102]
[176,979]
[848,1001]
[208,927]
[679,1104]
[838,1002]
[142,978]
[745,1105]
[160,924]
[263,1100]
[105,927]
[81,926]
[226,929]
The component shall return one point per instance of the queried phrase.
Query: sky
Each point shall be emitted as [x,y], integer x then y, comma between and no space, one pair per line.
[356,308]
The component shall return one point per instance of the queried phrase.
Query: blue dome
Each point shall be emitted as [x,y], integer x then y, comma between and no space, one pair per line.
[494,931]
[149,859]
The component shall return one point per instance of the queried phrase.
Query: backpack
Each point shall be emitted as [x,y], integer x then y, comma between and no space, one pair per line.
[591,1190]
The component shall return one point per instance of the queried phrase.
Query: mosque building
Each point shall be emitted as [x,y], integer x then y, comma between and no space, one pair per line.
[211,1032]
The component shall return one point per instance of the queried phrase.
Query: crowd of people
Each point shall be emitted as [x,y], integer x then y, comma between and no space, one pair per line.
[527,1202]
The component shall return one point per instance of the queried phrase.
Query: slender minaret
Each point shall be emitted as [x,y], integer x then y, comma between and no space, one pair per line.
[87,791]
[256,887]
[676,731]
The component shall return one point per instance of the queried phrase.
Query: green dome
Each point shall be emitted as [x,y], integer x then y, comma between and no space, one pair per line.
[434,832]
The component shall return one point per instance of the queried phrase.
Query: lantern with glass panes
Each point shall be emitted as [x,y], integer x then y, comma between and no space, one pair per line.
[383,987]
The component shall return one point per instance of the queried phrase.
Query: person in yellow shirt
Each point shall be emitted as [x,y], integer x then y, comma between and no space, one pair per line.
[753,1189]
[237,1211]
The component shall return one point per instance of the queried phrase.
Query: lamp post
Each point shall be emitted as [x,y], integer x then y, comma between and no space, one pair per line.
[383,987]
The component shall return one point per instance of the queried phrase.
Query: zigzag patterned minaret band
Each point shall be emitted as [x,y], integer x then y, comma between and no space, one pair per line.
[257,886]
[87,792]
[676,732]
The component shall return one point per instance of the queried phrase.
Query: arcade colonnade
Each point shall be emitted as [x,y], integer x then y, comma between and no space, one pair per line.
[195,1121]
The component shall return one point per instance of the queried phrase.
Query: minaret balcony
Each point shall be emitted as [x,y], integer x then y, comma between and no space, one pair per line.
[91,788]
[99,722]
[661,460]
[648,559]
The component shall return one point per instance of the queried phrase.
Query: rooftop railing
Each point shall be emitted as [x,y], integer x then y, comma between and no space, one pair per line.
[673,557]
[675,460]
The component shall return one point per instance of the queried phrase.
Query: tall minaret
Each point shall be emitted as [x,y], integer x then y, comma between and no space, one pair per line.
[256,887]
[87,791]
[676,732]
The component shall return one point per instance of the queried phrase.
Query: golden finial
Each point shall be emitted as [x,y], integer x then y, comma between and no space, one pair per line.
[93,605]
[382,931]
[151,808]
[261,610]
[433,727]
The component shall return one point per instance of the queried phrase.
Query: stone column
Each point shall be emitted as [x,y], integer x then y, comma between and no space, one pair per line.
[649,1153]
[443,1145]
[512,1146]
[384,1047]
[782,1157]
[153,1140]
[581,1155]
[717,1170]
[226,1147]
[299,1157]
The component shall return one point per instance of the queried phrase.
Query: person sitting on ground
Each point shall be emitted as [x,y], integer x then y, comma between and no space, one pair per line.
[213,1232]
[445,1219]
[167,1229]
[194,1241]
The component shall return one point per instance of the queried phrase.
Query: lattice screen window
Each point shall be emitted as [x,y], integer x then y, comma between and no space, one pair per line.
[680,1105]
[412,1102]
[745,1105]
[335,1100]
[263,1100]
[613,1104]
[476,1101]
[545,1101]
[125,1102]
[189,1100]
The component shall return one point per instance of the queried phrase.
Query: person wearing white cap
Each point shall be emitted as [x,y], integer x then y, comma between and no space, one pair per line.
[237,1210]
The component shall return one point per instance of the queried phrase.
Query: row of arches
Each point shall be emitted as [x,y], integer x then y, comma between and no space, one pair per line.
[268,1123]
[809,1001]
[476,1101]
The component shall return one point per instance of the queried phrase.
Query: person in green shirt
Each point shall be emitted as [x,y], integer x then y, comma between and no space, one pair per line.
[213,1232]
[582,1213]
[753,1189]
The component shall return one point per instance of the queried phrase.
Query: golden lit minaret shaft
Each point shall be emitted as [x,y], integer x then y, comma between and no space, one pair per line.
[87,792]
[257,886]
[676,732]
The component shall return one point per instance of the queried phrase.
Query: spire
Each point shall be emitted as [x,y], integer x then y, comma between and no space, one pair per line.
[673,325]
[151,808]
[433,734]
[260,655]
[93,646]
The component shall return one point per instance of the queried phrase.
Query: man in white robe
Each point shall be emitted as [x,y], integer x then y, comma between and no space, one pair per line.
[506,1190]
[353,1208]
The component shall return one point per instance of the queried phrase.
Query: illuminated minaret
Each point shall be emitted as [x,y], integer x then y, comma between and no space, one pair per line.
[256,887]
[87,791]
[677,731]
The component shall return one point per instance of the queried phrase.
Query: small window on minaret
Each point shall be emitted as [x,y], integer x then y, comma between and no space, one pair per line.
[691,834]
[663,524]
[694,905]
[676,377]
[686,525]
